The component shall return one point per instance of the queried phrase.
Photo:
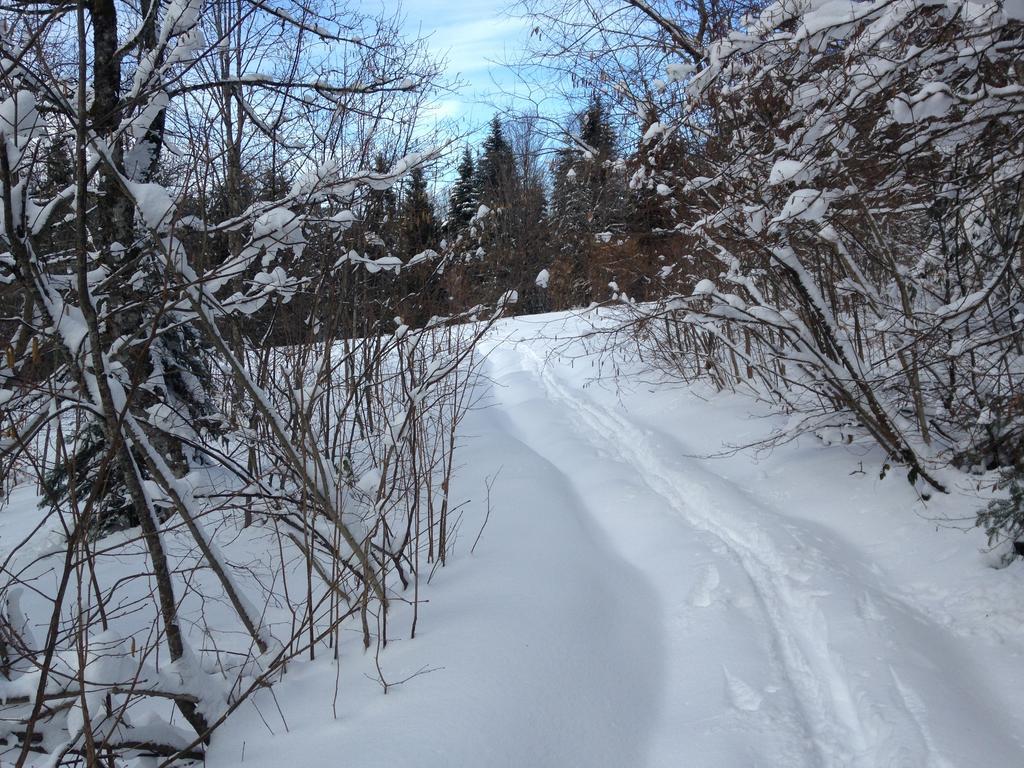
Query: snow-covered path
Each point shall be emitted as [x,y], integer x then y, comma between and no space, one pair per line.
[630,605]
[781,645]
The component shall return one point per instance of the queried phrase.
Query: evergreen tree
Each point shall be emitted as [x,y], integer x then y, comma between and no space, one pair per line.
[506,248]
[418,229]
[173,400]
[588,197]
[648,210]
[1003,518]
[463,201]
[270,184]
[588,191]
[496,177]
[58,168]
[380,214]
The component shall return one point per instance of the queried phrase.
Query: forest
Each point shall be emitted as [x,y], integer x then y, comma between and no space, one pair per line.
[257,298]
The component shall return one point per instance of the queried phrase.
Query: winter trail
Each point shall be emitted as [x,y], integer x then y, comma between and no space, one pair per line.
[616,601]
[781,646]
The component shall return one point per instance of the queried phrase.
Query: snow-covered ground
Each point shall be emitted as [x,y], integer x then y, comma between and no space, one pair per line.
[632,602]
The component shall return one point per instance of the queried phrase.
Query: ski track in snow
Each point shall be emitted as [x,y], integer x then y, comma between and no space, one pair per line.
[629,606]
[801,633]
[846,717]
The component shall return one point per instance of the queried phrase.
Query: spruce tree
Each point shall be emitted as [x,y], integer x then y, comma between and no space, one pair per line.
[496,174]
[588,197]
[1003,518]
[463,201]
[167,371]
[379,216]
[588,192]
[418,229]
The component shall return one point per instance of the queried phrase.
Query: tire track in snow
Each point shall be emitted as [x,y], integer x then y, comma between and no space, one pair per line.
[816,675]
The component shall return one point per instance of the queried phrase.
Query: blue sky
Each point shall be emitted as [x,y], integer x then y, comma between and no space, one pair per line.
[472,35]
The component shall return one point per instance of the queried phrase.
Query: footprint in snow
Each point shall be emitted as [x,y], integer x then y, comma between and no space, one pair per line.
[703,592]
[741,695]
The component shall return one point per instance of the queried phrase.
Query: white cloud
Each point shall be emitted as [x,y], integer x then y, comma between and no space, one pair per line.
[474,38]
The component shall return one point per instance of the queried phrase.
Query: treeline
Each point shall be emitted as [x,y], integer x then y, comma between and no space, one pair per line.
[553,220]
